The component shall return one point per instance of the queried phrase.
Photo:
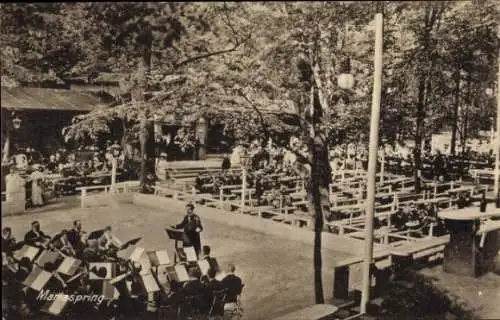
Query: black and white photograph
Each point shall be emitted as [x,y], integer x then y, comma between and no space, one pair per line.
[293,160]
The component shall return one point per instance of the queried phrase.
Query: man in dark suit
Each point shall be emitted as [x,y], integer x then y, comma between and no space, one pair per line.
[211,261]
[75,235]
[35,236]
[226,163]
[212,287]
[232,283]
[192,228]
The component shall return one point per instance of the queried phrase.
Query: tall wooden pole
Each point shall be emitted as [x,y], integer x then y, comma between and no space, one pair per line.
[372,163]
[497,142]
[243,183]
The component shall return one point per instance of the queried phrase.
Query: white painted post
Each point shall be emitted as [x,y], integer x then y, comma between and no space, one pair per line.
[372,162]
[382,167]
[114,164]
[496,188]
[82,200]
[243,186]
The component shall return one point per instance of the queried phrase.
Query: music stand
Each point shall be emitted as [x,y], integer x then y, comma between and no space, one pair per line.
[179,236]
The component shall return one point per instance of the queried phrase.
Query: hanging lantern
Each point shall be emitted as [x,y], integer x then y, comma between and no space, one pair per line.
[345,79]
[16,122]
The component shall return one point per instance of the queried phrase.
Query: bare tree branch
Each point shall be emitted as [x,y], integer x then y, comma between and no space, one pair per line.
[261,117]
[210,54]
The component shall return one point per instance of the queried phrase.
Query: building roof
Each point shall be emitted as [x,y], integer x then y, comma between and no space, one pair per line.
[22,98]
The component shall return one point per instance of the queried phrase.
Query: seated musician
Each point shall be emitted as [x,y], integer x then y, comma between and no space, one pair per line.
[91,252]
[8,242]
[108,240]
[210,287]
[211,261]
[35,236]
[61,242]
[232,283]
[75,236]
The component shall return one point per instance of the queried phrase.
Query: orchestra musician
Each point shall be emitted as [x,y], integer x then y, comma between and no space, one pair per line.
[91,252]
[8,242]
[232,283]
[192,228]
[35,236]
[210,287]
[107,240]
[61,242]
[75,235]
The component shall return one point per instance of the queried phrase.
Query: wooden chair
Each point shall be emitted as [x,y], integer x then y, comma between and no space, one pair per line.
[218,301]
[191,306]
[234,309]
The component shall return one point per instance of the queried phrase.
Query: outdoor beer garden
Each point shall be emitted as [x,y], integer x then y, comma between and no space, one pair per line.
[398,172]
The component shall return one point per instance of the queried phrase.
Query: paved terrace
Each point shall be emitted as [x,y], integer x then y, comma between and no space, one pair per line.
[278,273]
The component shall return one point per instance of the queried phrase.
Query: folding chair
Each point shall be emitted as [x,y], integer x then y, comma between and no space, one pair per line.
[217,306]
[233,309]
[191,306]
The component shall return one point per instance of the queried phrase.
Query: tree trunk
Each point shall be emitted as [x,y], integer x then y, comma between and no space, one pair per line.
[143,138]
[318,194]
[144,135]
[455,112]
[417,152]
[318,203]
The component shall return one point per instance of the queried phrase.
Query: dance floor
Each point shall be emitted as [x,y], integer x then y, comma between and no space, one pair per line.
[278,274]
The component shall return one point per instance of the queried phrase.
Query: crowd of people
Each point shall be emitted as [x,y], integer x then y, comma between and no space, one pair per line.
[60,173]
[197,293]
[84,160]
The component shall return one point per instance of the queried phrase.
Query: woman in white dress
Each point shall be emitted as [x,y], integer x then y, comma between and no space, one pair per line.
[36,188]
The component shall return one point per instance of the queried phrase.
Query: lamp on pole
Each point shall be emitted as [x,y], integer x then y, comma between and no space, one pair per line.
[15,125]
[372,162]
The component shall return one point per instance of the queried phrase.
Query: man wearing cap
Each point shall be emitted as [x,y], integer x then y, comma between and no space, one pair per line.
[192,228]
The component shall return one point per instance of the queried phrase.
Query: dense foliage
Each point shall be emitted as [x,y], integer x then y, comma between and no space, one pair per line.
[228,56]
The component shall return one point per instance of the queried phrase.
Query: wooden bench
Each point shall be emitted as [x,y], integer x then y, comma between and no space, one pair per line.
[314,312]
[430,249]
[84,191]
[120,187]
[346,270]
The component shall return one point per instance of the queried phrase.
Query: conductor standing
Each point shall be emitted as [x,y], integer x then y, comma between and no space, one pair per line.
[192,228]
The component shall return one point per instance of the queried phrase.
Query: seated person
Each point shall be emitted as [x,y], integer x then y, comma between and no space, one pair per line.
[35,236]
[108,240]
[8,242]
[211,261]
[62,243]
[91,252]
[211,288]
[232,283]
[462,201]
[52,164]
[198,182]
